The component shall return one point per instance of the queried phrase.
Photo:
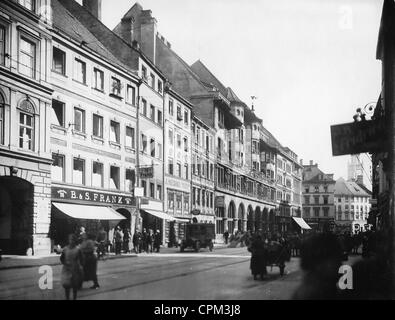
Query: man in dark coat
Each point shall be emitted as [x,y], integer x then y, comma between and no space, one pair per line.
[144,240]
[118,240]
[258,258]
[136,242]
[157,241]
[226,236]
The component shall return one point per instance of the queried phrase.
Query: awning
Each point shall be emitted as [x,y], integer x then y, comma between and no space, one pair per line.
[302,223]
[164,216]
[78,211]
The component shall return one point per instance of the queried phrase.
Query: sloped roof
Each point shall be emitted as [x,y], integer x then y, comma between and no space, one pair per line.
[118,47]
[349,188]
[232,97]
[67,23]
[208,78]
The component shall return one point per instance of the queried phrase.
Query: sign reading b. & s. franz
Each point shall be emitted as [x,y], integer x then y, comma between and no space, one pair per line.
[64,193]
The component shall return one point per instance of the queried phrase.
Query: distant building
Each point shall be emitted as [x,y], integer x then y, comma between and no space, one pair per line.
[318,192]
[352,205]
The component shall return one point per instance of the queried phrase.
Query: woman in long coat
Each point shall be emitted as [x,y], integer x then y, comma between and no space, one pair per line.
[88,249]
[72,272]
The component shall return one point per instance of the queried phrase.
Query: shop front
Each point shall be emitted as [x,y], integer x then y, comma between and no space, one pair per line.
[73,208]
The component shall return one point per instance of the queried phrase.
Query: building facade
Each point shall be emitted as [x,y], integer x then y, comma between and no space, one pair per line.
[318,197]
[106,128]
[25,104]
[203,174]
[93,129]
[177,159]
[352,206]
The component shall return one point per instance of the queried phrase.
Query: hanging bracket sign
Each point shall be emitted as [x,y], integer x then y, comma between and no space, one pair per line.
[358,137]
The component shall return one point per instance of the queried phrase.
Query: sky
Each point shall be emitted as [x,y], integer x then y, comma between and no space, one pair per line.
[310,63]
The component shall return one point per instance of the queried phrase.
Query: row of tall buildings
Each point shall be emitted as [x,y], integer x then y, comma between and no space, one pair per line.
[113,126]
[342,205]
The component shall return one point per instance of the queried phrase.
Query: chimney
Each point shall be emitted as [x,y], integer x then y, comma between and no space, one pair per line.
[127,25]
[311,162]
[148,34]
[94,7]
[360,180]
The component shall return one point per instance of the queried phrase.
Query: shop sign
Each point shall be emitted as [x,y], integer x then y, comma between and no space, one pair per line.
[358,137]
[196,212]
[146,172]
[64,193]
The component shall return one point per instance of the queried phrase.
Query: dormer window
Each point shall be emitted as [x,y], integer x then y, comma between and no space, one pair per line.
[144,73]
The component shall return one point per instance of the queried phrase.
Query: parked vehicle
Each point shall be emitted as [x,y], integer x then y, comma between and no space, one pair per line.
[198,235]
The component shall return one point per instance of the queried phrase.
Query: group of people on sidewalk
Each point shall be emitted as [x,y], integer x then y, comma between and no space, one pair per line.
[147,241]
[79,258]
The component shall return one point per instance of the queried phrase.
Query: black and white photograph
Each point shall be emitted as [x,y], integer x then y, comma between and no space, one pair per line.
[210,151]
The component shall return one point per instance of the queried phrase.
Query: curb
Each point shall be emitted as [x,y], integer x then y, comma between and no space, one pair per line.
[58,262]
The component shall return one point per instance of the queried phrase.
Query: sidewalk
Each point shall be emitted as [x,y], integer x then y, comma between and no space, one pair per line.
[20,262]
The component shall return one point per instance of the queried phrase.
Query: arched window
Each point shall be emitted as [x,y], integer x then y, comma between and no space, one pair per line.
[1,119]
[26,125]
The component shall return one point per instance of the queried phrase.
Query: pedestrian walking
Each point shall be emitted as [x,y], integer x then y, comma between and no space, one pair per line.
[258,258]
[136,242]
[88,249]
[150,240]
[126,240]
[118,240]
[226,236]
[72,271]
[144,238]
[102,242]
[81,235]
[157,241]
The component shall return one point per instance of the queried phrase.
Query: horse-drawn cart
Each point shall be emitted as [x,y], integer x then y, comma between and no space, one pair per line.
[271,254]
[276,255]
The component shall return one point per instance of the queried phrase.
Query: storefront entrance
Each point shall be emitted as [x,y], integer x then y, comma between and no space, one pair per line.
[16,215]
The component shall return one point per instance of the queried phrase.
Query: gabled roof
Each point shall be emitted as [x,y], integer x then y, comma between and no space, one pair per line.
[349,188]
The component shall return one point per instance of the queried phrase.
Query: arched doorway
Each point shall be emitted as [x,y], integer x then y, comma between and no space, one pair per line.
[241,218]
[258,219]
[127,223]
[231,217]
[16,215]
[250,219]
